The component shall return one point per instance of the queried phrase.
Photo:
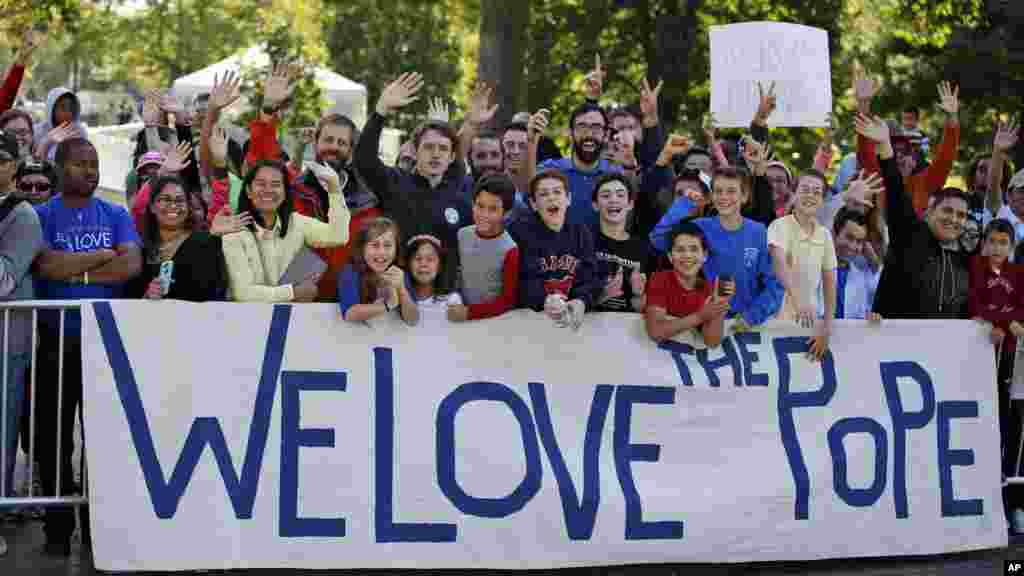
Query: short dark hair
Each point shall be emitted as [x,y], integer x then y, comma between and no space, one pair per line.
[812,173]
[949,193]
[623,111]
[1001,225]
[501,186]
[845,216]
[443,128]
[14,114]
[547,174]
[515,126]
[484,135]
[284,211]
[586,108]
[614,177]
[732,173]
[337,120]
[687,228]
[65,148]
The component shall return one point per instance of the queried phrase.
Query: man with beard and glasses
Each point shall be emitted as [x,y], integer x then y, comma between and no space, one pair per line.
[589,127]
[334,142]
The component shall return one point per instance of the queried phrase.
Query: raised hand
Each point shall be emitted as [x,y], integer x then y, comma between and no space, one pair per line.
[177,159]
[328,175]
[949,98]
[756,156]
[279,85]
[674,145]
[437,110]
[538,123]
[1006,136]
[151,108]
[828,136]
[219,146]
[593,82]
[225,90]
[863,190]
[226,222]
[649,102]
[767,103]
[65,131]
[400,93]
[864,88]
[872,128]
[481,111]
[710,131]
[29,42]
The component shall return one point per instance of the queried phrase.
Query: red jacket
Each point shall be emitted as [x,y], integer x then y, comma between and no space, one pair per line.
[9,89]
[996,298]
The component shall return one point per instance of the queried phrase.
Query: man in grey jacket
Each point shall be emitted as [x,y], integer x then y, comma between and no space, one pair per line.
[21,240]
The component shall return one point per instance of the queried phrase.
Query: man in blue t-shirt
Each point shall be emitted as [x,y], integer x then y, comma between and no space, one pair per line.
[91,251]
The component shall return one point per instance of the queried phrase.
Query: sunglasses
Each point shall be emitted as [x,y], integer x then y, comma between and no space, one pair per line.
[37,186]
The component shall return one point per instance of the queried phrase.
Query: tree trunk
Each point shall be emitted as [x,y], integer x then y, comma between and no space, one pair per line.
[502,45]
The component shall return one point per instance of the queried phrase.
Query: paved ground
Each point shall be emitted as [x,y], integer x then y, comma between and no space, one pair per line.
[26,540]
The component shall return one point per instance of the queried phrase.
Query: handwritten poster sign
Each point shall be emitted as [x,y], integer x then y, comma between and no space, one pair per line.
[793,57]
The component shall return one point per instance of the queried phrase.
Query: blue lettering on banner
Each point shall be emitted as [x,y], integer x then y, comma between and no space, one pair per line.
[743,340]
[859,497]
[948,458]
[625,454]
[579,514]
[902,421]
[387,530]
[677,350]
[446,479]
[730,359]
[166,495]
[787,401]
[292,437]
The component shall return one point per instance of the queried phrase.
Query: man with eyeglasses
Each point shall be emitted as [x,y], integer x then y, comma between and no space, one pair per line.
[589,125]
[18,123]
[35,181]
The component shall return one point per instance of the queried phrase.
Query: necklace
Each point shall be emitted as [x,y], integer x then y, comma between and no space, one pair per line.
[169,248]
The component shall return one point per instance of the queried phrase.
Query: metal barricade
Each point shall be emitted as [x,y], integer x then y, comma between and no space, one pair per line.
[16,317]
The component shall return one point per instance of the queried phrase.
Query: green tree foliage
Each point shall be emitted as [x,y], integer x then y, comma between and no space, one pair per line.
[373,42]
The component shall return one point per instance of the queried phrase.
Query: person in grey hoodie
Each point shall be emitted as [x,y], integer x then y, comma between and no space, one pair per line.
[63,121]
[21,240]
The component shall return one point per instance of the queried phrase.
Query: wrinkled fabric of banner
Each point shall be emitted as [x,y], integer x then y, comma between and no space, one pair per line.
[225,436]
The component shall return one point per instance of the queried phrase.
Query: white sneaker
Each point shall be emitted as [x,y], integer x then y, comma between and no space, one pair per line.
[3,546]
[1017,521]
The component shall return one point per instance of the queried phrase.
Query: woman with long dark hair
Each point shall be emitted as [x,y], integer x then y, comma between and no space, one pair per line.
[258,256]
[179,261]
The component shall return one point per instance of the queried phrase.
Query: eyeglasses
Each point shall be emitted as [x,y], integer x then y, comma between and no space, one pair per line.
[165,201]
[589,128]
[36,186]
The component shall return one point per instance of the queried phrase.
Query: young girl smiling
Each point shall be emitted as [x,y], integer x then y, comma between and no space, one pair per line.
[427,261]
[373,284]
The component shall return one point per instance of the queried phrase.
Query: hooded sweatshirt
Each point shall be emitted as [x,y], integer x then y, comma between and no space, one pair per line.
[43,128]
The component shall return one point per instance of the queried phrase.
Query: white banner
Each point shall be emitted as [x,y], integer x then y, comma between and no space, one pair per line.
[793,57]
[249,436]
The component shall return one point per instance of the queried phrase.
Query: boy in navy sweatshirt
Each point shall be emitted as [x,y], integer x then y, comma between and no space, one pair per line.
[558,268]
[739,249]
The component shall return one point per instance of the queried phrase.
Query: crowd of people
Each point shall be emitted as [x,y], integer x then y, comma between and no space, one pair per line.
[476,220]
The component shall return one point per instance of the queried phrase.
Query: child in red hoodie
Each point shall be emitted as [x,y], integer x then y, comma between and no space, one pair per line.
[996,296]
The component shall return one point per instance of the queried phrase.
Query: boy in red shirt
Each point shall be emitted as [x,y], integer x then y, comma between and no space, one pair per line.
[996,296]
[681,299]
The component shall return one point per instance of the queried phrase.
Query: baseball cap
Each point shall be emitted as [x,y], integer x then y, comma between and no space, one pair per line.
[8,146]
[150,158]
[1017,181]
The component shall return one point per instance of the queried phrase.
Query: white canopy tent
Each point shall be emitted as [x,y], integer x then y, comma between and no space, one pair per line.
[346,97]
